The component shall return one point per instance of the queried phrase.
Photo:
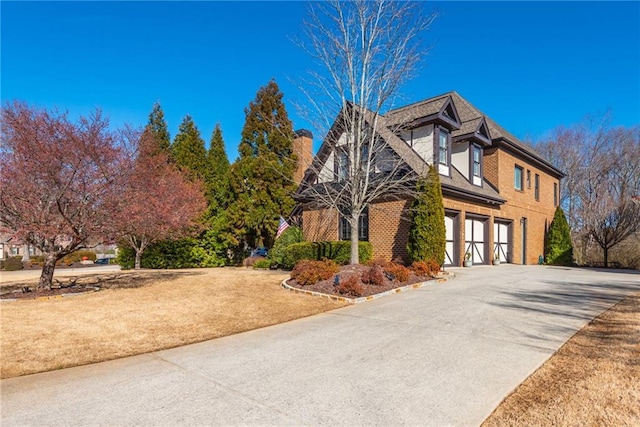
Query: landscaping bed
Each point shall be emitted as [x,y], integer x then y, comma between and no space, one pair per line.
[362,280]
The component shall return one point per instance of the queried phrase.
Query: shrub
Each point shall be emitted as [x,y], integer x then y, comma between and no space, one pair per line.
[399,272]
[339,252]
[37,260]
[373,276]
[307,272]
[12,263]
[77,256]
[558,247]
[425,268]
[427,237]
[379,262]
[351,286]
[251,261]
[262,263]
[182,253]
[290,236]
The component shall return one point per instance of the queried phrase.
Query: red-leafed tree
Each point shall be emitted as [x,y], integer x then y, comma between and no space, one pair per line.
[158,202]
[58,185]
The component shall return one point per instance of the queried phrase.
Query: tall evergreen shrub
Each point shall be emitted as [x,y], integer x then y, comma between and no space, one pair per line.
[558,246]
[427,238]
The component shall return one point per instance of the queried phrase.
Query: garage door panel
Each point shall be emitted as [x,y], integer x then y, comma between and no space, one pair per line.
[475,232]
[448,225]
[501,239]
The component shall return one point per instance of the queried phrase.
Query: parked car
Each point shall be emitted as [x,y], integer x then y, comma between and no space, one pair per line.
[259,252]
[102,261]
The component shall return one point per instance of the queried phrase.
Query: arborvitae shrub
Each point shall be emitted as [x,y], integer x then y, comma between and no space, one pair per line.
[427,237]
[308,272]
[558,245]
[351,286]
[373,276]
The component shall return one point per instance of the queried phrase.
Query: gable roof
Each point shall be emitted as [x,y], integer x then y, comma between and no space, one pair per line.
[468,123]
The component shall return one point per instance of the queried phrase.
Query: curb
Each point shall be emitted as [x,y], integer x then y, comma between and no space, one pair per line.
[370,297]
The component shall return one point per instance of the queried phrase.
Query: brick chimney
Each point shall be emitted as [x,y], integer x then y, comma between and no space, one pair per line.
[303,148]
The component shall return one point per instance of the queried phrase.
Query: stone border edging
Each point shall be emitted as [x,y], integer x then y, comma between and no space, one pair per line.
[370,297]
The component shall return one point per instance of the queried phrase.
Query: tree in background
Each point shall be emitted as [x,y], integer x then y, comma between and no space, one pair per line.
[427,237]
[158,202]
[60,181]
[157,126]
[602,166]
[366,50]
[217,173]
[262,178]
[558,246]
[189,152]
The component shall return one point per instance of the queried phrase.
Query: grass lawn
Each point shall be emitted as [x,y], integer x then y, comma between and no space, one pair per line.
[593,380]
[169,309]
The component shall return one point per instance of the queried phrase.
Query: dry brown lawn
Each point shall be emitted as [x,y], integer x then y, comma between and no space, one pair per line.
[593,380]
[170,309]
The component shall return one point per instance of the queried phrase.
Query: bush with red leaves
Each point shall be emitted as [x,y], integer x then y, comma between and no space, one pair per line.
[351,286]
[379,262]
[425,268]
[309,272]
[399,272]
[373,276]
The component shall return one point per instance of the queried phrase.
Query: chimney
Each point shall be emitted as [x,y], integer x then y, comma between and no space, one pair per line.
[303,149]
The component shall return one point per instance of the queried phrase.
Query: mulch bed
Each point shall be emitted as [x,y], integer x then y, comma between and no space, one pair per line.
[82,284]
[44,293]
[328,287]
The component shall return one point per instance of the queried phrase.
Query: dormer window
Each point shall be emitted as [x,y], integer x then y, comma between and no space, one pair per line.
[476,165]
[444,154]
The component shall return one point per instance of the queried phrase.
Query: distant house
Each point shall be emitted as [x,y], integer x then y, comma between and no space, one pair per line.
[499,194]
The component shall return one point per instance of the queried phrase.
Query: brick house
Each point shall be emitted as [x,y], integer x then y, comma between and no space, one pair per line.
[499,195]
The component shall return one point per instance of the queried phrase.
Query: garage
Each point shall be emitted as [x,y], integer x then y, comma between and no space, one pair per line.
[475,234]
[502,241]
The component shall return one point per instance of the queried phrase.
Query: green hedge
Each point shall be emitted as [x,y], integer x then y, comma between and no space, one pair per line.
[183,253]
[12,263]
[340,252]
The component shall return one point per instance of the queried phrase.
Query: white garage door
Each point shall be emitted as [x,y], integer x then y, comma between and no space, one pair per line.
[474,239]
[449,256]
[501,241]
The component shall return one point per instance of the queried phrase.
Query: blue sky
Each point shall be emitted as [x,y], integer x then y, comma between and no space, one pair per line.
[531,66]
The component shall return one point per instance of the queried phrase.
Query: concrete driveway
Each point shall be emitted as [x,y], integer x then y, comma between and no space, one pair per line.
[445,354]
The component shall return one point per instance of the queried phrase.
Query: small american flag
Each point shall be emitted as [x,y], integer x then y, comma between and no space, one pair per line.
[281,227]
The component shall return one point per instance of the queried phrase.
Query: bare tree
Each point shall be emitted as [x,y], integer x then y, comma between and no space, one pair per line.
[365,51]
[603,175]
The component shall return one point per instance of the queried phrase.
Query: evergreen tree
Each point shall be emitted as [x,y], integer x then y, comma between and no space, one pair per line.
[189,151]
[558,246]
[158,128]
[262,177]
[427,237]
[217,172]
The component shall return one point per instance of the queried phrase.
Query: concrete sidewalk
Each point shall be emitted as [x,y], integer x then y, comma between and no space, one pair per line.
[440,355]
[22,275]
